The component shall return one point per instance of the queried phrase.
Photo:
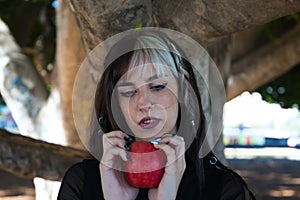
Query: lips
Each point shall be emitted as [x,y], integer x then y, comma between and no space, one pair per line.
[149,122]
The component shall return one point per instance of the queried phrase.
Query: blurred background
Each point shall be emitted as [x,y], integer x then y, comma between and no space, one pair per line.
[257,50]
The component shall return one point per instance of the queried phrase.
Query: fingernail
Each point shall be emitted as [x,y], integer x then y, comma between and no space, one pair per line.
[128,139]
[127,148]
[155,140]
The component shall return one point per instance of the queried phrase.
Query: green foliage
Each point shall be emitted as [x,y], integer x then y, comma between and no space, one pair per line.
[36,31]
[267,31]
[284,90]
[32,24]
[49,86]
[293,17]
[138,26]
[16,13]
[273,30]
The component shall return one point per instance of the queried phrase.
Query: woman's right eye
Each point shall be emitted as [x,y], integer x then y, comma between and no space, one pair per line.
[128,93]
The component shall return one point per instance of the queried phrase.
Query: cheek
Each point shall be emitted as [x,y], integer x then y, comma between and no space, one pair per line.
[168,101]
[171,119]
[124,105]
[172,111]
[129,112]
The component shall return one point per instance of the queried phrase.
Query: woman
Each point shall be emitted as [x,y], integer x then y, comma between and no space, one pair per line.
[149,91]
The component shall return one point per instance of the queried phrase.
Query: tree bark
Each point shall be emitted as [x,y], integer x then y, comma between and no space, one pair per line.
[27,157]
[208,20]
[265,64]
[205,20]
[70,54]
[21,86]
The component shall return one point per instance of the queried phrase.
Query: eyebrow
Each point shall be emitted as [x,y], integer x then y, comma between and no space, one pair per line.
[151,78]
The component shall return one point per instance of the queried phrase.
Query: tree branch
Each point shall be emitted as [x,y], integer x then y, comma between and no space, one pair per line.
[69,55]
[265,64]
[26,157]
[205,20]
[208,20]
[22,88]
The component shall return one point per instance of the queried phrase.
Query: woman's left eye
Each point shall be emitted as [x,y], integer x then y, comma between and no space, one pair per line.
[158,87]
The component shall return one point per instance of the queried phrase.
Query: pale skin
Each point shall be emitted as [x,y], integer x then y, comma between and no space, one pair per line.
[149,105]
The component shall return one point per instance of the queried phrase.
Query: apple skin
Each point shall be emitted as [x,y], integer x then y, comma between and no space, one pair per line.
[146,166]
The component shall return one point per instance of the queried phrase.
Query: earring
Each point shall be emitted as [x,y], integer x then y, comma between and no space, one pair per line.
[102,123]
[193,122]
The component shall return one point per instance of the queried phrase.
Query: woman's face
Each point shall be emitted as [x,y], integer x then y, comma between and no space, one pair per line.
[148,100]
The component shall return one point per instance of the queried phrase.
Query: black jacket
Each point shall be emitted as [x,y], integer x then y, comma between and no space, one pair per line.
[82,182]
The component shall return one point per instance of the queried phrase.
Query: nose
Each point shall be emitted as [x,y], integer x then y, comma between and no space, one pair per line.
[144,101]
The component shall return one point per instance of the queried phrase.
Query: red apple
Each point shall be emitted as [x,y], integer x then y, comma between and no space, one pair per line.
[146,166]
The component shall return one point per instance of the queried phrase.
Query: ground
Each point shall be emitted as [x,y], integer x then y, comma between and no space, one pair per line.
[15,188]
[269,179]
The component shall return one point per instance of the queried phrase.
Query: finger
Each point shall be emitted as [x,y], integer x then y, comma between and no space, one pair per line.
[177,142]
[113,152]
[117,138]
[174,140]
[174,163]
[168,150]
[115,141]
[118,134]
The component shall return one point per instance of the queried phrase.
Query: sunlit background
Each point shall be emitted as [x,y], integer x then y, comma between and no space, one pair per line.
[269,129]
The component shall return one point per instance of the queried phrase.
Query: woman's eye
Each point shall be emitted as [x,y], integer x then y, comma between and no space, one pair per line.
[158,87]
[128,93]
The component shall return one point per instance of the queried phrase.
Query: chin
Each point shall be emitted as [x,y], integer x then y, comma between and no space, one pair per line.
[148,134]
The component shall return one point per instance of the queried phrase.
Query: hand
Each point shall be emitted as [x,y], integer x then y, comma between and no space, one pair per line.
[174,148]
[114,185]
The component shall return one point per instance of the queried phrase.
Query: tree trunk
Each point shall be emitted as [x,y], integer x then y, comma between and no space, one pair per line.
[21,86]
[265,64]
[27,157]
[205,20]
[70,54]
[208,20]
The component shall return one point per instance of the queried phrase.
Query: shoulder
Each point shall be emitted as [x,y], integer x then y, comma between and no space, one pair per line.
[222,182]
[74,182]
[79,170]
